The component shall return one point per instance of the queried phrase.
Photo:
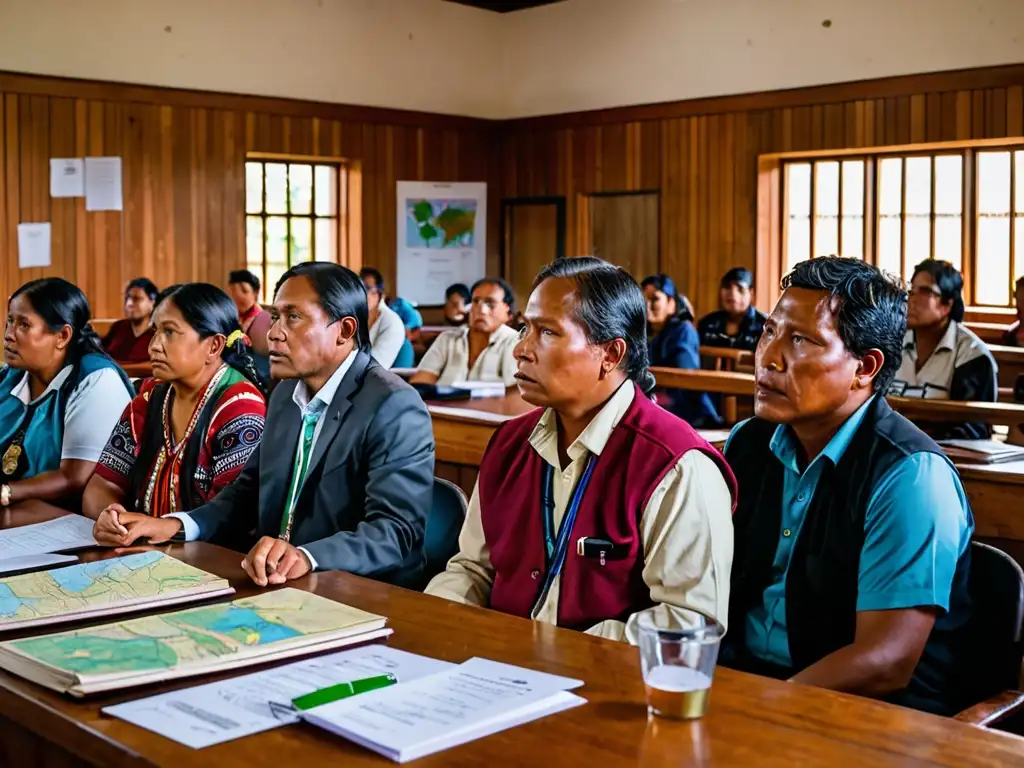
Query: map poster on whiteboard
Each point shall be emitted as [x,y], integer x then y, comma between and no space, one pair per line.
[442,230]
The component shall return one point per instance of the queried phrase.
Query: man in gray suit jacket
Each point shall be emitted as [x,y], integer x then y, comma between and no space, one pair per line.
[343,478]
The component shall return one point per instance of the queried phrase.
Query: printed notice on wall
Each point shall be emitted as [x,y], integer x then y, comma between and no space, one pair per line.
[103,184]
[33,245]
[67,177]
[441,233]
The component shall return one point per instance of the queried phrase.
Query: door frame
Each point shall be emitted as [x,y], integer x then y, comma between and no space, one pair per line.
[584,241]
[504,238]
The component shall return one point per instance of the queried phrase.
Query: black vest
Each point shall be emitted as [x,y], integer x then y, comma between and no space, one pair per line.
[821,586]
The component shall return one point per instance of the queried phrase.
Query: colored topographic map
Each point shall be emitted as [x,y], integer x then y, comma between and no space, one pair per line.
[440,223]
[96,585]
[197,635]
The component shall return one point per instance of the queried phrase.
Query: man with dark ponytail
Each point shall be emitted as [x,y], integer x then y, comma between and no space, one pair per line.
[603,504]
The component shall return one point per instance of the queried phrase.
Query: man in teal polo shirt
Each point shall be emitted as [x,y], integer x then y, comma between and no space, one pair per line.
[853,529]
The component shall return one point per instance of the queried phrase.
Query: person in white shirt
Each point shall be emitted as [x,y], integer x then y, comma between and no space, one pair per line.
[387,331]
[484,349]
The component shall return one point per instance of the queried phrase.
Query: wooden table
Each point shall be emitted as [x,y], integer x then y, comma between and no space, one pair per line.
[752,721]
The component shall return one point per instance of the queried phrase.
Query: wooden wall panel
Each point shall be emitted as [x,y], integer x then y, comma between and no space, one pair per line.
[702,155]
[184,184]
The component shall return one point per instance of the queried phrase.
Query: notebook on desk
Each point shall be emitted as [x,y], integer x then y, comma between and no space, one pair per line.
[981,451]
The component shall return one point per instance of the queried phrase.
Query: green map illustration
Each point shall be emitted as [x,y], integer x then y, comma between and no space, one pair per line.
[193,636]
[440,223]
[97,585]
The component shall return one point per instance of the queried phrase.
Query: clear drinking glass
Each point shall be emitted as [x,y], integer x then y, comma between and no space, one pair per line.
[678,665]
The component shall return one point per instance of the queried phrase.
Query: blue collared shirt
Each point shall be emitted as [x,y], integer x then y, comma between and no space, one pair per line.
[917,526]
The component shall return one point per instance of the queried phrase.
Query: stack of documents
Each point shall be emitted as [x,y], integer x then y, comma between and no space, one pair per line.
[981,451]
[217,638]
[481,388]
[139,582]
[61,534]
[409,720]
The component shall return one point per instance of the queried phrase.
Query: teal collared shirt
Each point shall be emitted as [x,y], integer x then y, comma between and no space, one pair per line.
[917,526]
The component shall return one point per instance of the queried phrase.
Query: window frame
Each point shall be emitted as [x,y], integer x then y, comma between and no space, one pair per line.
[773,214]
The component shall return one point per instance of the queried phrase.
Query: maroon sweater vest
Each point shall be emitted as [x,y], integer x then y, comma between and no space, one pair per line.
[647,443]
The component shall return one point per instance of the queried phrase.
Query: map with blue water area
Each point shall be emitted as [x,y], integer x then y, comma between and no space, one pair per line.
[193,636]
[98,585]
[440,223]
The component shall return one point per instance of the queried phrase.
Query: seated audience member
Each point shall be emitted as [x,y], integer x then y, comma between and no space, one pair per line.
[192,427]
[737,324]
[60,395]
[387,333]
[852,530]
[480,351]
[127,341]
[1014,335]
[602,505]
[411,317]
[942,359]
[347,480]
[456,304]
[672,342]
[253,319]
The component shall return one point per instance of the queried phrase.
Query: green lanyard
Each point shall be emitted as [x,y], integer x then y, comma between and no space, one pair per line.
[309,421]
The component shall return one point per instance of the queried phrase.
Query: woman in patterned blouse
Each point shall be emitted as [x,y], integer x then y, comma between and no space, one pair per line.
[190,430]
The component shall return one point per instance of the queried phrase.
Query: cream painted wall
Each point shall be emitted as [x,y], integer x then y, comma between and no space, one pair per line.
[410,54]
[592,54]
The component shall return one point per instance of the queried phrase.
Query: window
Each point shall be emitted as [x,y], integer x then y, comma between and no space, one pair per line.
[292,213]
[962,205]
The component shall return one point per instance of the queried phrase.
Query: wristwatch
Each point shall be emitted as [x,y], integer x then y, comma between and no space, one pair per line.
[5,495]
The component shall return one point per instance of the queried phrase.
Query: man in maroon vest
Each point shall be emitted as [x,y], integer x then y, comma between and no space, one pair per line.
[600,504]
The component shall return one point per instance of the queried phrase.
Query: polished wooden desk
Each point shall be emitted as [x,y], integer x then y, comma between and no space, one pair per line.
[752,720]
[1010,361]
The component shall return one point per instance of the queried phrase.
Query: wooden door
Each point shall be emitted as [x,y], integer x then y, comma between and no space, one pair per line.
[534,236]
[624,231]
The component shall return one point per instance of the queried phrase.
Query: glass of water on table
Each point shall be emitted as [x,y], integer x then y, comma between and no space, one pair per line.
[678,665]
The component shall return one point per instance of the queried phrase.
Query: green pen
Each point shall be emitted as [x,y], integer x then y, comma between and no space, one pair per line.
[342,691]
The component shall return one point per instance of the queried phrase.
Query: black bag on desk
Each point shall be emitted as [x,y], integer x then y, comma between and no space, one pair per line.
[442,392]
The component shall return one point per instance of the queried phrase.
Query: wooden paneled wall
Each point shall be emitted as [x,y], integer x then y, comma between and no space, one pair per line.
[184,192]
[702,155]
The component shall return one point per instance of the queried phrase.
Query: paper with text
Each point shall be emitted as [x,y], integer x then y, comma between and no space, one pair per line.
[32,562]
[34,245]
[67,177]
[58,535]
[103,187]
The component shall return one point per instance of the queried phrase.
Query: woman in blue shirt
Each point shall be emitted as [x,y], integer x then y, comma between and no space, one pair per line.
[672,342]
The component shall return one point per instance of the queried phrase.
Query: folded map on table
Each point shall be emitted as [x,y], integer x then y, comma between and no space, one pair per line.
[207,639]
[137,582]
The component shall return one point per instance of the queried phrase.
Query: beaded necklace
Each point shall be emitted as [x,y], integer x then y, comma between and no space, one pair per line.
[173,452]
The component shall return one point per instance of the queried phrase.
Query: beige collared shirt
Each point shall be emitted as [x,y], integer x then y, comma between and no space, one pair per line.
[448,357]
[686,529]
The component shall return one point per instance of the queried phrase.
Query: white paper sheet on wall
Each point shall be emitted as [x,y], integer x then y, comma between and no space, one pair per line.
[103,184]
[33,245]
[67,177]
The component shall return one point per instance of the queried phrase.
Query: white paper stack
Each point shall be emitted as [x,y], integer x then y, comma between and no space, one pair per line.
[481,388]
[981,451]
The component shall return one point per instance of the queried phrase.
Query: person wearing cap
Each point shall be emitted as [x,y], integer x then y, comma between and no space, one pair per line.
[738,324]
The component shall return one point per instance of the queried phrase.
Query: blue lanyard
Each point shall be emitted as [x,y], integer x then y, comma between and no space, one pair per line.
[556,549]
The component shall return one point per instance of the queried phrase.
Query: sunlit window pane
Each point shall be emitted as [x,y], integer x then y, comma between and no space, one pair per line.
[992,281]
[300,188]
[1018,250]
[890,186]
[326,191]
[949,183]
[853,188]
[948,245]
[254,243]
[1018,205]
[798,189]
[798,241]
[253,187]
[919,242]
[826,191]
[919,185]
[889,238]
[277,241]
[853,237]
[826,236]
[277,188]
[326,240]
[302,241]
[993,182]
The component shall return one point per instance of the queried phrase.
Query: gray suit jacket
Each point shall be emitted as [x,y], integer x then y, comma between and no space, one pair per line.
[363,507]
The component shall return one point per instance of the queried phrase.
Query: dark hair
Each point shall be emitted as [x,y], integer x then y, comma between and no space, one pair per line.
[209,311]
[341,292]
[950,283]
[610,305]
[148,287]
[870,307]
[666,285]
[378,278]
[244,276]
[61,303]
[738,276]
[510,295]
[460,289]
[1020,282]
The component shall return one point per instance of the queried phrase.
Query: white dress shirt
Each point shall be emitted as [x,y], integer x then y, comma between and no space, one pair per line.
[387,335]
